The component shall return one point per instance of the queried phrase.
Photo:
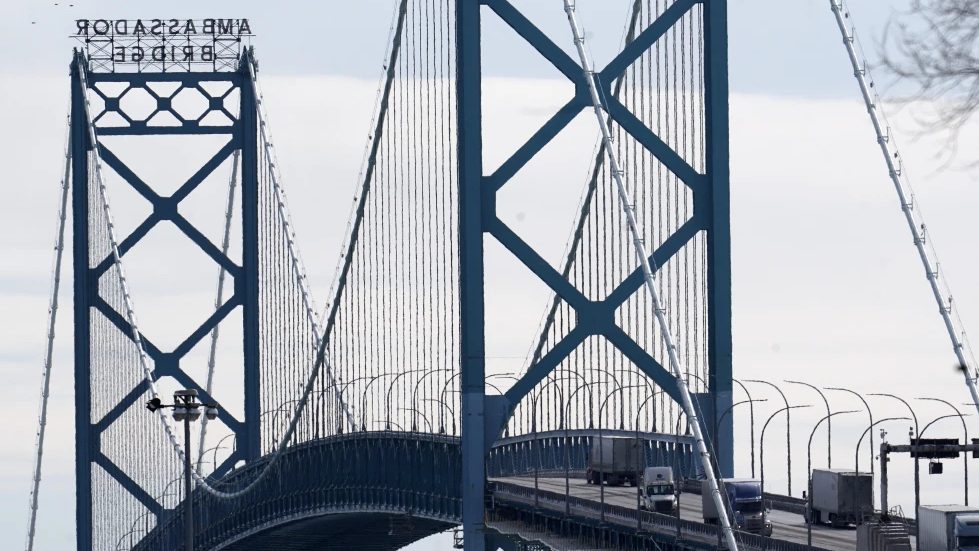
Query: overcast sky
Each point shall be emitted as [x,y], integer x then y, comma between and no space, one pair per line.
[827,287]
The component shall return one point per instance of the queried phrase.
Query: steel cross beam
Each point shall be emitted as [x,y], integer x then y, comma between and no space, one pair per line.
[242,135]
[484,417]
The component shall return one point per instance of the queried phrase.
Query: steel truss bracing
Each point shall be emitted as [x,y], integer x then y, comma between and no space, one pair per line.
[107,393]
[483,416]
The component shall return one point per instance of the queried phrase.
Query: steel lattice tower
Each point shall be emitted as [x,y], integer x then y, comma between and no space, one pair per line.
[89,269]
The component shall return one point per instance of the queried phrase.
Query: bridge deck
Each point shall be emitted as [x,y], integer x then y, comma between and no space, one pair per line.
[787,526]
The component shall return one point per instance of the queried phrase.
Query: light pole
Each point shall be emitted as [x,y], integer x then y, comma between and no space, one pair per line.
[917,476]
[856,459]
[186,408]
[751,420]
[761,443]
[363,399]
[809,473]
[414,393]
[414,427]
[601,448]
[639,486]
[533,426]
[720,419]
[829,422]
[567,467]
[441,411]
[387,395]
[788,431]
[965,431]
[871,414]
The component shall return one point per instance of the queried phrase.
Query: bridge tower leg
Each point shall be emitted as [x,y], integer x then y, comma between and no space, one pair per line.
[483,417]
[719,236]
[471,208]
[100,462]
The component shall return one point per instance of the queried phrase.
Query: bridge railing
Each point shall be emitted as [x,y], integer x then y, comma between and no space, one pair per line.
[630,518]
[555,452]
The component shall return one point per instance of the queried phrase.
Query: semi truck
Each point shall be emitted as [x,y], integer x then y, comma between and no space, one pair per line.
[658,490]
[743,497]
[615,460]
[948,528]
[841,497]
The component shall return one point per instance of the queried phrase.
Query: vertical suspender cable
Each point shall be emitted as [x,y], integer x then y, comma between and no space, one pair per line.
[915,223]
[629,211]
[297,266]
[219,299]
[59,248]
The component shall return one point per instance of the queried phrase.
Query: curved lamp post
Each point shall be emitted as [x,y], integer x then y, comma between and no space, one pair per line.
[387,395]
[809,472]
[917,433]
[788,431]
[567,467]
[414,428]
[965,435]
[751,421]
[761,443]
[720,419]
[856,459]
[363,399]
[871,414]
[829,422]
[639,486]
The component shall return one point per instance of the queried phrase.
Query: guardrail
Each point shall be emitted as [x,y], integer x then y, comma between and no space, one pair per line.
[632,519]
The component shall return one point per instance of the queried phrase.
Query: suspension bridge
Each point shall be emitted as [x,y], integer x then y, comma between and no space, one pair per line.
[373,422]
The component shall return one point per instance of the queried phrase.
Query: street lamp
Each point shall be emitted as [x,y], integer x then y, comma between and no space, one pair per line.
[965,430]
[871,414]
[720,419]
[788,431]
[761,443]
[186,408]
[751,420]
[829,422]
[856,460]
[917,476]
[809,473]
[567,444]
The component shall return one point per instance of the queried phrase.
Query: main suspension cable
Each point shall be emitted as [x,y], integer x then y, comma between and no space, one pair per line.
[640,248]
[892,158]
[136,336]
[59,248]
[299,270]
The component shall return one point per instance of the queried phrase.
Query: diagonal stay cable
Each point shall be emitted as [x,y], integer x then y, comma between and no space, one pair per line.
[59,248]
[892,158]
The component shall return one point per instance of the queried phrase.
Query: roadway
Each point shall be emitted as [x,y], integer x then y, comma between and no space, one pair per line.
[785,526]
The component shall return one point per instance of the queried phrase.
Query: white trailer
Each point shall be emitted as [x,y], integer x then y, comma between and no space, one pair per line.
[948,528]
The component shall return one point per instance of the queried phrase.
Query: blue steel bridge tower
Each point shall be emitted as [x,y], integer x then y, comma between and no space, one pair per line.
[483,416]
[109,398]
